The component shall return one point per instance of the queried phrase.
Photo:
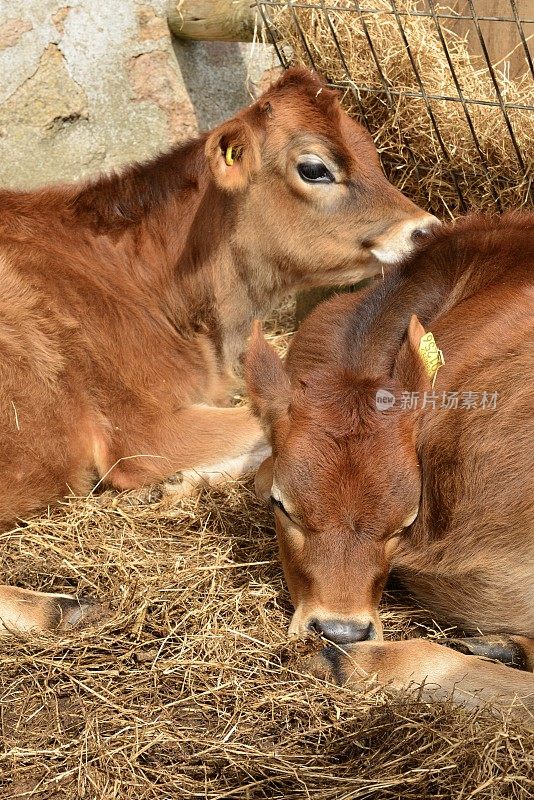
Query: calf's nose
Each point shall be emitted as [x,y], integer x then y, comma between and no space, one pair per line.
[419,234]
[401,239]
[343,631]
[422,228]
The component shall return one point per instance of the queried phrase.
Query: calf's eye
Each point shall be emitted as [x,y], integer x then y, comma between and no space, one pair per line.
[314,171]
[278,504]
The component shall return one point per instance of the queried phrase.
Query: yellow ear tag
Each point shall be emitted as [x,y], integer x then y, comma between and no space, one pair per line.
[229,157]
[431,355]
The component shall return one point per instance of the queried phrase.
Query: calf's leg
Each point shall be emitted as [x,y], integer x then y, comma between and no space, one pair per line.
[436,672]
[206,445]
[23,611]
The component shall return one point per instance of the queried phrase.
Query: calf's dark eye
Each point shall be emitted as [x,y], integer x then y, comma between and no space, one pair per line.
[314,172]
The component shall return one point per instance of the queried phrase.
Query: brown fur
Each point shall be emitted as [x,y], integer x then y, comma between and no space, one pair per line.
[351,476]
[126,301]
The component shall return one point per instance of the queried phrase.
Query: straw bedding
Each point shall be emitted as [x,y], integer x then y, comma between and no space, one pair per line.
[190,688]
[488,176]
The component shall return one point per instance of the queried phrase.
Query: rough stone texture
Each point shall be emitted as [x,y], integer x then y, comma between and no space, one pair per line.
[11,31]
[59,18]
[48,100]
[154,78]
[91,84]
[151,27]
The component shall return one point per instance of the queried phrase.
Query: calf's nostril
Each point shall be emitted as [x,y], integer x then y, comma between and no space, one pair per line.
[342,631]
[420,233]
[425,228]
[313,625]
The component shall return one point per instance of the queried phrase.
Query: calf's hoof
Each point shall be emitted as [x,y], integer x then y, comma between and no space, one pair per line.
[497,648]
[70,613]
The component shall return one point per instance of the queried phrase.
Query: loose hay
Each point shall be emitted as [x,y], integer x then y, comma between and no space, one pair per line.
[488,176]
[191,689]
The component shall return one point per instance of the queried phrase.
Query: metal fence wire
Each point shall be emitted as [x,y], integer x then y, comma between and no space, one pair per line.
[446,91]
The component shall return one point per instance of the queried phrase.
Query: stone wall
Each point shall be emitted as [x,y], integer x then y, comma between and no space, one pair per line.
[92,84]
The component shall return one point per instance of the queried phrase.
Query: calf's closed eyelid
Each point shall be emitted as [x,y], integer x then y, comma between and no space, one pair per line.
[276,503]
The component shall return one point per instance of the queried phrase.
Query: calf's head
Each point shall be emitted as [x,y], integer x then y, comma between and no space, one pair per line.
[343,481]
[306,188]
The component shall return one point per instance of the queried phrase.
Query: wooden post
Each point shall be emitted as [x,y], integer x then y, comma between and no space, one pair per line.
[213,20]
[502,39]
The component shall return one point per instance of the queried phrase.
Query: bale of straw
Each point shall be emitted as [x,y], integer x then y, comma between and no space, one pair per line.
[487,171]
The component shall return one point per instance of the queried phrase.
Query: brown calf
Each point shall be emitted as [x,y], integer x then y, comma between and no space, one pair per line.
[363,482]
[126,302]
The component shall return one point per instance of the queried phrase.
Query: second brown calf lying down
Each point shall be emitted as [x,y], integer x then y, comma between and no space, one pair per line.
[127,301]
[383,460]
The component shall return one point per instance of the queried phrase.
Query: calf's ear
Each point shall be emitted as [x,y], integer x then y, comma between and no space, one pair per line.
[233,153]
[267,382]
[409,368]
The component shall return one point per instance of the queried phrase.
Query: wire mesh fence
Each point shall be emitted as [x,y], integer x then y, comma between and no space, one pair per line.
[447,92]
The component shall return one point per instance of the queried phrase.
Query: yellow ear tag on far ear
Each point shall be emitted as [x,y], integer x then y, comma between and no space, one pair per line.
[431,355]
[229,157]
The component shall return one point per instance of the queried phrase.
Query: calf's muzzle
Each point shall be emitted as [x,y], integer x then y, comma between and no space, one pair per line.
[343,631]
[400,240]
